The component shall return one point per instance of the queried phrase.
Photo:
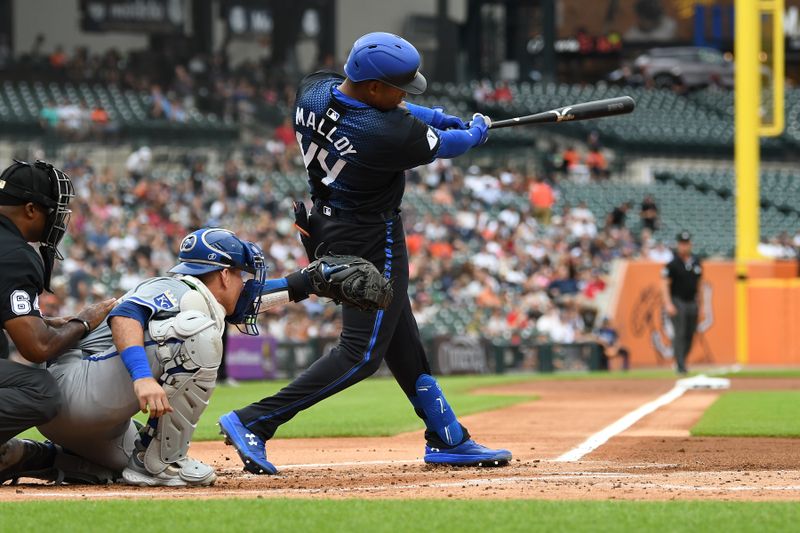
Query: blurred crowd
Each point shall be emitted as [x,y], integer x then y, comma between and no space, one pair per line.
[505,249]
[514,267]
[178,82]
[495,250]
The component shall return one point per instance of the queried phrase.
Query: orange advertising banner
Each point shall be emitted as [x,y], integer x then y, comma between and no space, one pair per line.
[774,320]
[646,330]
[773,315]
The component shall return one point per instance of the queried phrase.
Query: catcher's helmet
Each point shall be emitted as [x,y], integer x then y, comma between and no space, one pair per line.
[387,58]
[210,249]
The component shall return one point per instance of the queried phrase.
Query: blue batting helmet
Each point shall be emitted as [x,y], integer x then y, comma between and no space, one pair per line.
[387,58]
[210,249]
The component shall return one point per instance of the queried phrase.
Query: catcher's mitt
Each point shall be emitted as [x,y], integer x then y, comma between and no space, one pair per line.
[350,280]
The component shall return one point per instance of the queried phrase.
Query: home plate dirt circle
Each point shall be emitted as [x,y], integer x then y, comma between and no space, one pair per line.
[654,459]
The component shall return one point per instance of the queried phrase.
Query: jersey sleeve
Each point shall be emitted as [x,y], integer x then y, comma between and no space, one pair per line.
[159,296]
[413,143]
[22,283]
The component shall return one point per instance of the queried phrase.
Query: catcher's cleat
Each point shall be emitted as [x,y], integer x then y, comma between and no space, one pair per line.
[186,472]
[25,458]
[250,447]
[468,453]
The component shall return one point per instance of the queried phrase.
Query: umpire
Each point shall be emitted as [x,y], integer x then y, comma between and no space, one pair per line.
[34,202]
[681,280]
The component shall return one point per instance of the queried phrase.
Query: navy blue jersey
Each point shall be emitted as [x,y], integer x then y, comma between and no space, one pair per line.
[356,155]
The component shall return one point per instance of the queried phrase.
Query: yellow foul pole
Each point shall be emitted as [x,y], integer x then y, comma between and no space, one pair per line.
[747,100]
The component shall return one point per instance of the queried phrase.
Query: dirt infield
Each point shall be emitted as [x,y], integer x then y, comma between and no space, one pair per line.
[653,459]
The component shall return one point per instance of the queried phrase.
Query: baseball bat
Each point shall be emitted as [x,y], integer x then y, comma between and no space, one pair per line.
[583,111]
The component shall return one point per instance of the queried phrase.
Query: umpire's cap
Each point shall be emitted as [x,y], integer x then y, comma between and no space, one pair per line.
[684,236]
[22,182]
[388,58]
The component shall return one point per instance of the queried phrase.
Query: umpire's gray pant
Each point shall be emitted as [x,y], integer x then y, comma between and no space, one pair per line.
[684,324]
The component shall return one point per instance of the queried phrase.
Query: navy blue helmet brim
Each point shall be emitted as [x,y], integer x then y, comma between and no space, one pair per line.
[415,86]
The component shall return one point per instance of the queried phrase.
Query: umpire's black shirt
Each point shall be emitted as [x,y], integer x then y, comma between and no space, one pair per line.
[21,274]
[684,277]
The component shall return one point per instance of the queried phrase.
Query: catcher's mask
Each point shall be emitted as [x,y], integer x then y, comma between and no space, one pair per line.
[210,249]
[47,186]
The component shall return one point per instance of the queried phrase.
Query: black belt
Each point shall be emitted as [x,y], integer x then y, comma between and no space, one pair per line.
[353,216]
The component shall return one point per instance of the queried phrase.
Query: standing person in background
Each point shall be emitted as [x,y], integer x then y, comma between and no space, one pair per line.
[681,281]
[648,213]
[358,137]
[542,199]
[618,216]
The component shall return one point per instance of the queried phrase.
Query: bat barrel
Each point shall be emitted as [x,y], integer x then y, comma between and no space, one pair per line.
[584,111]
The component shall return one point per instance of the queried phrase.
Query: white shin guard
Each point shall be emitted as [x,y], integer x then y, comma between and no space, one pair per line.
[188,395]
[190,350]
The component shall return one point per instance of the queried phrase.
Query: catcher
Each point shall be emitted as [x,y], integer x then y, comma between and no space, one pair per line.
[159,351]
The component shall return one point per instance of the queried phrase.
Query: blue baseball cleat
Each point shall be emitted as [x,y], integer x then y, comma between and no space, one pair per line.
[468,453]
[250,447]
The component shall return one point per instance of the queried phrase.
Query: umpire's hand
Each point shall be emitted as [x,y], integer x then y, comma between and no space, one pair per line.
[151,397]
[95,314]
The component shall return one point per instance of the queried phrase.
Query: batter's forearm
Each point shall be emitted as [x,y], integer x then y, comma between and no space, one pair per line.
[453,143]
[425,114]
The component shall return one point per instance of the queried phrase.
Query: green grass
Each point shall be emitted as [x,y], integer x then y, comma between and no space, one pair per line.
[395,515]
[374,407]
[752,414]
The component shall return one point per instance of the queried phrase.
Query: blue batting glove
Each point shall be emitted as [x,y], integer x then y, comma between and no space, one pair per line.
[443,121]
[479,128]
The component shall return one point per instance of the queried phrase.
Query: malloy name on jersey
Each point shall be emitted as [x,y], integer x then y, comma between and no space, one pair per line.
[309,120]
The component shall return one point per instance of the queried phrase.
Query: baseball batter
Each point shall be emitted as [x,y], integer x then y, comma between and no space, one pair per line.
[358,136]
[159,350]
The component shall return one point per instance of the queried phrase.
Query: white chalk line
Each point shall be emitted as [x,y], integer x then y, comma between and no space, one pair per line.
[602,436]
